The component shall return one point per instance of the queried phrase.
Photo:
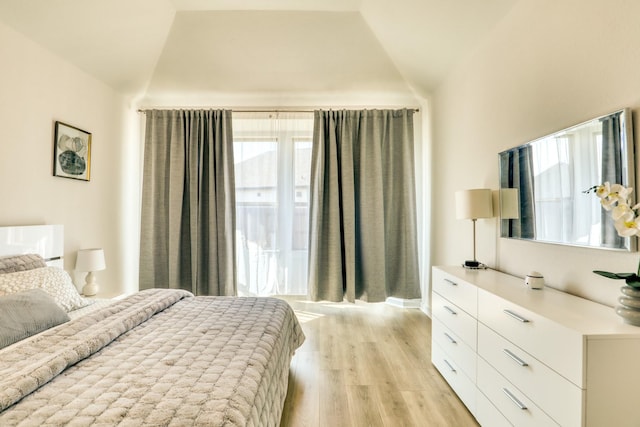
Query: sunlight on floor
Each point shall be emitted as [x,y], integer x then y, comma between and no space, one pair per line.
[306,316]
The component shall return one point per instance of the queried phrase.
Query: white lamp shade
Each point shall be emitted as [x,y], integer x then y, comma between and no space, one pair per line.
[509,206]
[473,204]
[90,260]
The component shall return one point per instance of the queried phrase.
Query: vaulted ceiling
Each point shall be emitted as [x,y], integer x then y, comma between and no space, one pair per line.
[155,47]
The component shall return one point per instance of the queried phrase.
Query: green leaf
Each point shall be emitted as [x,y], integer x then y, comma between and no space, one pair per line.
[631,279]
[626,276]
[615,276]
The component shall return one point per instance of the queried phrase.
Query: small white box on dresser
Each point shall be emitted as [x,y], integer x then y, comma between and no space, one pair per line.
[542,357]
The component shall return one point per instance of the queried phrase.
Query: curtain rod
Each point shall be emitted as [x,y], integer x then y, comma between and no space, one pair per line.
[415,110]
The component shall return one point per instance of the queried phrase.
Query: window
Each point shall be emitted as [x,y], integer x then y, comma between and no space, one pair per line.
[272,168]
[564,165]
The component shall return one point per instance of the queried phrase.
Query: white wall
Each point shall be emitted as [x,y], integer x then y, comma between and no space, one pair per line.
[36,89]
[548,65]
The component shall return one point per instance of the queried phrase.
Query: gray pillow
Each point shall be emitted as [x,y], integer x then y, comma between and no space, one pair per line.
[26,313]
[13,263]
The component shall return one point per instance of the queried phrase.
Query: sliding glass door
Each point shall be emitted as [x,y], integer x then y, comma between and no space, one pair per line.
[272,165]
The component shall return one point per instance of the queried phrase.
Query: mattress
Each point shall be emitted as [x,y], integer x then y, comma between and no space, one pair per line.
[159,357]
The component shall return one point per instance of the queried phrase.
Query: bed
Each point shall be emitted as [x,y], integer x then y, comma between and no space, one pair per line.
[159,357]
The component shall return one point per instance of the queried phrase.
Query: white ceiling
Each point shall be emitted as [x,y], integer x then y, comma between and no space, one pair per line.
[246,46]
[249,51]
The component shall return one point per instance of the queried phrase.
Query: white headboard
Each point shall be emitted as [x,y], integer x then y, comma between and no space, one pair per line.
[44,240]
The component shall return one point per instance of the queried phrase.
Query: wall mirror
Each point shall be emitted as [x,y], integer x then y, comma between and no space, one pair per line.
[542,183]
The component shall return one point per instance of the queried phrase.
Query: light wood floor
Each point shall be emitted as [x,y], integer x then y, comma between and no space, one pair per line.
[367,365]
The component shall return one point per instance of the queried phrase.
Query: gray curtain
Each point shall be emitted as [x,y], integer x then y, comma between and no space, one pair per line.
[612,172]
[519,164]
[362,235]
[188,202]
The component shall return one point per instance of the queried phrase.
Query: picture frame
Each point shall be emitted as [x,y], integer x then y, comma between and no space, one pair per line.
[71,152]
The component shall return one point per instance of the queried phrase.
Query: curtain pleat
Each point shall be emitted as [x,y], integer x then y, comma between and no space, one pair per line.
[188,202]
[611,172]
[362,242]
[519,164]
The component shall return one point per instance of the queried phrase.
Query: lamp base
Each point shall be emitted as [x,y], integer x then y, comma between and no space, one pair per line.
[91,287]
[474,265]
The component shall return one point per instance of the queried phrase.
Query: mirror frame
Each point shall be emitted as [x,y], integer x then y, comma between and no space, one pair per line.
[628,173]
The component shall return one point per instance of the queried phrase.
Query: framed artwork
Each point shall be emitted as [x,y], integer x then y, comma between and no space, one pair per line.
[71,152]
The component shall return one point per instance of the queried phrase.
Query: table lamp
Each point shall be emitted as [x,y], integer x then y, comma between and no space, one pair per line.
[90,260]
[474,204]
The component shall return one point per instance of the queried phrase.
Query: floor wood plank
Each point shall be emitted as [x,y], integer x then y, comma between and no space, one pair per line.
[394,408]
[303,394]
[334,408]
[367,365]
[363,406]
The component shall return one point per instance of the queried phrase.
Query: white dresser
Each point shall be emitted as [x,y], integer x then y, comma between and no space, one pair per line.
[524,357]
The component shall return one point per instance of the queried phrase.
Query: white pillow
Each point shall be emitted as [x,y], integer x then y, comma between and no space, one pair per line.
[53,280]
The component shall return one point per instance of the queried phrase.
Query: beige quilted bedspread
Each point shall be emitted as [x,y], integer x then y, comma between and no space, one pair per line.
[157,358]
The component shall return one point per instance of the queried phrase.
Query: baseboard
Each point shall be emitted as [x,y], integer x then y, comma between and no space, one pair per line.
[404,303]
[425,310]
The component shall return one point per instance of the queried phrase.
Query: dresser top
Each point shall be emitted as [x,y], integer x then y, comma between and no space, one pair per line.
[587,317]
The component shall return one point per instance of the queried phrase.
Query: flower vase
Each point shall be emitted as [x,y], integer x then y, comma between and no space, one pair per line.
[629,308]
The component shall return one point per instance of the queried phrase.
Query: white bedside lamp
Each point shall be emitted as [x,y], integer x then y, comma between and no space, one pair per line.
[90,260]
[474,204]
[509,206]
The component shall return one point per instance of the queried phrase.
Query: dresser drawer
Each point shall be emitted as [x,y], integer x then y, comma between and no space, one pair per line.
[456,290]
[487,414]
[456,319]
[462,385]
[557,346]
[517,408]
[559,398]
[461,354]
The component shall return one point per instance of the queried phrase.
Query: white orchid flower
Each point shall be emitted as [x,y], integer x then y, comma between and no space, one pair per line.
[622,211]
[628,227]
[612,195]
[608,203]
[627,192]
[620,193]
[603,190]
[616,199]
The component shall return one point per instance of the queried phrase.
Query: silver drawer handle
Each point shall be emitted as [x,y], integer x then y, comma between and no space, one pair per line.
[451,282]
[450,338]
[516,316]
[514,399]
[450,367]
[514,357]
[450,310]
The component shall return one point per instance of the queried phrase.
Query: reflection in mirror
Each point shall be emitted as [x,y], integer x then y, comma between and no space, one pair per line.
[543,183]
